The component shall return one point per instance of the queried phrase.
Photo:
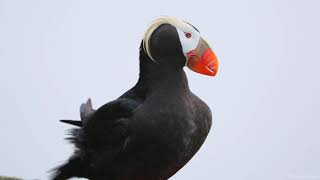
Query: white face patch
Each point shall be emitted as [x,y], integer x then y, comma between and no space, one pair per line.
[189,38]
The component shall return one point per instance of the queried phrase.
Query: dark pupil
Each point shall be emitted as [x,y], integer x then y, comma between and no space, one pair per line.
[188,35]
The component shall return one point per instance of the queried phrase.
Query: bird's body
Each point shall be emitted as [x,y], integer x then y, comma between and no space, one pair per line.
[148,133]
[168,122]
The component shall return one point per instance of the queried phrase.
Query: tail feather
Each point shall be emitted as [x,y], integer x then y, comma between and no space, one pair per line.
[72,122]
[76,165]
[86,112]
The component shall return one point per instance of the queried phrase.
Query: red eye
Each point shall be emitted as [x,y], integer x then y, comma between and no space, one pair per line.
[188,35]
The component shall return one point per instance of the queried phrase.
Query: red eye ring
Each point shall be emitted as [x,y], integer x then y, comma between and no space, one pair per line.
[188,35]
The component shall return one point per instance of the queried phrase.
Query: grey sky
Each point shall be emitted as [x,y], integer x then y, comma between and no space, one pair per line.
[265,99]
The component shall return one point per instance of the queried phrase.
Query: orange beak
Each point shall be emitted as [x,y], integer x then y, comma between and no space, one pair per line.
[202,59]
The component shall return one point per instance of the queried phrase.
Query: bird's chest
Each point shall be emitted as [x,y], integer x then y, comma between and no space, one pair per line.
[169,119]
[170,130]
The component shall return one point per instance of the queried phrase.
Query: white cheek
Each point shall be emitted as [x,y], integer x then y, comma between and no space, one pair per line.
[188,44]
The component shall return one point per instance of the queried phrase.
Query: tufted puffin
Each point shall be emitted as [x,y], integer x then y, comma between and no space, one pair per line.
[156,127]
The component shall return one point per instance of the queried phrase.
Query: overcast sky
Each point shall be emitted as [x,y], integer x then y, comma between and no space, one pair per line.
[265,99]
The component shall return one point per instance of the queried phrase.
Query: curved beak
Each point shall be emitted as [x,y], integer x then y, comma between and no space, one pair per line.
[202,59]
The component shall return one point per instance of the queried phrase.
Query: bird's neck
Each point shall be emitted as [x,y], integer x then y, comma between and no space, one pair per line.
[167,75]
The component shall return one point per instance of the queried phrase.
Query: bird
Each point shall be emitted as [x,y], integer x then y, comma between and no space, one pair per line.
[152,130]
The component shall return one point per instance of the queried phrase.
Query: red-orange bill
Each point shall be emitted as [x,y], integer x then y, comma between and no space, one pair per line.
[207,64]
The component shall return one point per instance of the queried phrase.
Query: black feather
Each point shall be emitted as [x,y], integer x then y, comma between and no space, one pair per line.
[75,167]
[72,122]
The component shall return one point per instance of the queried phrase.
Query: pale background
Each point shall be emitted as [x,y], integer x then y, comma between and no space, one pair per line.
[265,99]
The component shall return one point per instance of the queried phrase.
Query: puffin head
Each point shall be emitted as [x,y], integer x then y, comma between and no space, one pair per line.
[171,37]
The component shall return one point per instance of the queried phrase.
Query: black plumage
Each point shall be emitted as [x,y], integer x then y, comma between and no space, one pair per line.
[149,132]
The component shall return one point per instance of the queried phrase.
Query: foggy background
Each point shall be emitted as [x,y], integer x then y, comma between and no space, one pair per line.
[265,98]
